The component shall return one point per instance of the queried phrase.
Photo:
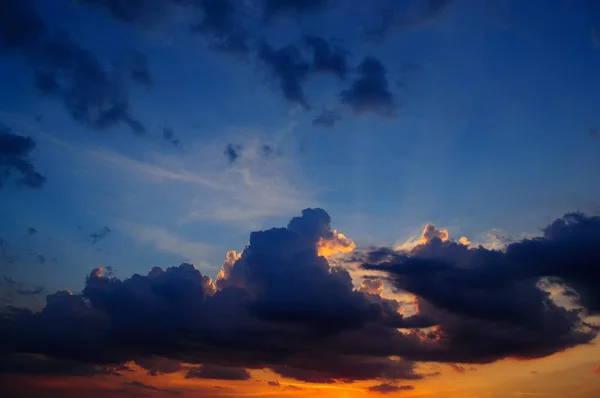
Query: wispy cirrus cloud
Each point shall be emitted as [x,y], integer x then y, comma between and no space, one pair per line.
[197,185]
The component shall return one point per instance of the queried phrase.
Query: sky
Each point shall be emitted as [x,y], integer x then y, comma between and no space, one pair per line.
[299,198]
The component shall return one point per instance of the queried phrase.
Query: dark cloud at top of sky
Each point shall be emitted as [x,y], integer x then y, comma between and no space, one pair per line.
[418,13]
[370,91]
[20,25]
[289,67]
[15,159]
[327,119]
[327,59]
[27,364]
[274,8]
[213,19]
[218,373]
[100,234]
[93,95]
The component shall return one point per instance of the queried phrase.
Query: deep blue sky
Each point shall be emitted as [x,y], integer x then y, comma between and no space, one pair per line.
[496,108]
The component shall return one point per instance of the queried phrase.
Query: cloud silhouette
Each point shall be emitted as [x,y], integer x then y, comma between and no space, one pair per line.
[280,305]
[289,67]
[91,93]
[370,93]
[218,373]
[385,388]
[15,160]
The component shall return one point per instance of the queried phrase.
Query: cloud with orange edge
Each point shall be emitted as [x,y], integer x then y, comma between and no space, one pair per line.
[336,244]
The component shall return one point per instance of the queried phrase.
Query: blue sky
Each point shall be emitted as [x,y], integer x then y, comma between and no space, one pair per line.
[492,130]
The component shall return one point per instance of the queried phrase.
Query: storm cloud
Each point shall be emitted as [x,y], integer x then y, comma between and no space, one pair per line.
[280,305]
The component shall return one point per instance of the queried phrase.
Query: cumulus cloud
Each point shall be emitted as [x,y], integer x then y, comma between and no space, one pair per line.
[370,93]
[225,272]
[495,296]
[276,302]
[279,305]
[431,231]
[371,286]
[93,95]
[16,162]
[464,241]
[335,243]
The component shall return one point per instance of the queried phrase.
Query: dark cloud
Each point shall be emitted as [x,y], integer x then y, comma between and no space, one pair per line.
[281,306]
[156,365]
[327,59]
[29,364]
[15,160]
[388,388]
[20,25]
[233,152]
[92,94]
[274,8]
[489,304]
[31,231]
[327,119]
[218,373]
[289,67]
[289,318]
[100,234]
[418,13]
[370,91]
[213,19]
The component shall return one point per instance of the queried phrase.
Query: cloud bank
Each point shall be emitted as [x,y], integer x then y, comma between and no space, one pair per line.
[280,305]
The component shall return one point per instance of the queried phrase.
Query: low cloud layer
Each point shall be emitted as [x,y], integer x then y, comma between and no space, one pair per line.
[280,305]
